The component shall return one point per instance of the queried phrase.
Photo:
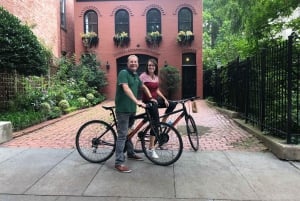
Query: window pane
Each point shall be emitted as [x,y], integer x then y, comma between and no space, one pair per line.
[153,21]
[185,20]
[91,22]
[122,21]
[63,13]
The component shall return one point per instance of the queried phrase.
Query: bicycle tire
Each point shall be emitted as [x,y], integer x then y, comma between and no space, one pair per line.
[192,132]
[168,144]
[96,141]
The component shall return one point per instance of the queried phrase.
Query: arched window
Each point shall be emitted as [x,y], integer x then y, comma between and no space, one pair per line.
[121,21]
[153,20]
[185,20]
[91,22]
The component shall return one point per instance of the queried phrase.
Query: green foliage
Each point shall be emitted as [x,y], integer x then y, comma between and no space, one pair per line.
[170,79]
[90,97]
[20,49]
[236,28]
[83,102]
[63,104]
[90,72]
[60,94]
[55,112]
[45,108]
[21,120]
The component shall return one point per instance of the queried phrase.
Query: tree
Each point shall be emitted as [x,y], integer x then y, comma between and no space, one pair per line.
[20,49]
[236,28]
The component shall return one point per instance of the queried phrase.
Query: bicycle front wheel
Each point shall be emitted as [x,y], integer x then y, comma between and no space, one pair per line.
[168,144]
[96,141]
[192,132]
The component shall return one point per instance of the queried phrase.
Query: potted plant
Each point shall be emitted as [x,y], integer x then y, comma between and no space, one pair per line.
[89,39]
[153,38]
[185,37]
[121,39]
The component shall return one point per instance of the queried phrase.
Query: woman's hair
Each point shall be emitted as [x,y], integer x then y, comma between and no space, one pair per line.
[153,61]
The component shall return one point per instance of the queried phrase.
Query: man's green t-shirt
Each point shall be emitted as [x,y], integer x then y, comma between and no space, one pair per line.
[122,101]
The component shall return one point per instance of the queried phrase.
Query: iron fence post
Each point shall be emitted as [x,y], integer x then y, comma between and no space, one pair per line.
[263,88]
[289,92]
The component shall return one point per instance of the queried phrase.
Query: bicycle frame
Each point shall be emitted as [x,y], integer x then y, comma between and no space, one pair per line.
[183,110]
[144,116]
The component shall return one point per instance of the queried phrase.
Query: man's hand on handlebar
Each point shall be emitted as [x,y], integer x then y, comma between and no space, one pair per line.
[141,104]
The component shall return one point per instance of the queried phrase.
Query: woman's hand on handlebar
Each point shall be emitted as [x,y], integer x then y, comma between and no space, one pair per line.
[153,100]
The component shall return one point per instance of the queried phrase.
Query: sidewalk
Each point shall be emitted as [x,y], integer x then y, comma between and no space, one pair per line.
[35,174]
[42,165]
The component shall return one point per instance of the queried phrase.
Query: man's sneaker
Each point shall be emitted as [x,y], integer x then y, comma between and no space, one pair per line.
[135,157]
[123,168]
[153,153]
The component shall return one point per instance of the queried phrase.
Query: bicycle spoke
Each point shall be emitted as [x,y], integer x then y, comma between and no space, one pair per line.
[95,141]
[168,145]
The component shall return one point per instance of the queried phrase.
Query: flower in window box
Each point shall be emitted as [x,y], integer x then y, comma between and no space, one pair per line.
[153,38]
[185,37]
[89,39]
[121,39]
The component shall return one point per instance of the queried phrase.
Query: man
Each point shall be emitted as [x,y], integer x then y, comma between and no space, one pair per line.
[128,84]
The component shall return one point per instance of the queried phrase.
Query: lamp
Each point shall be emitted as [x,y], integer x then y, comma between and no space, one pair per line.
[107,65]
[166,63]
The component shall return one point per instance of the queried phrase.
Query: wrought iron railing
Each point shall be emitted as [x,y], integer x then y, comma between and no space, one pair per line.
[264,89]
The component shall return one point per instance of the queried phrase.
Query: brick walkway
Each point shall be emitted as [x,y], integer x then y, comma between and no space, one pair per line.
[218,132]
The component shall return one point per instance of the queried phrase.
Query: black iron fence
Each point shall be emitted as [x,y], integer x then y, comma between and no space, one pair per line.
[264,89]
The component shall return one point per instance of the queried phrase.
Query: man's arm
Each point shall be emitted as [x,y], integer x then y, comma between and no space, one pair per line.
[129,93]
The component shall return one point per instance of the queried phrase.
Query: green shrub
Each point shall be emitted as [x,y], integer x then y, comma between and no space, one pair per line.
[170,79]
[63,104]
[45,108]
[90,97]
[83,102]
[55,112]
[23,119]
[20,49]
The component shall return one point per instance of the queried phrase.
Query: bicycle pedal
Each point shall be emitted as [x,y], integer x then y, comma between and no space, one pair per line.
[140,134]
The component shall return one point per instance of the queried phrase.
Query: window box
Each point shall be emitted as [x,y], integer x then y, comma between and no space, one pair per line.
[121,39]
[153,39]
[89,39]
[185,38]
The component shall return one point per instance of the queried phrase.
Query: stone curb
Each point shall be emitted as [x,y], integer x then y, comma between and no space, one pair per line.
[278,147]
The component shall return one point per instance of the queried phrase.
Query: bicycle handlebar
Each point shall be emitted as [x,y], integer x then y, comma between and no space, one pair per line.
[148,105]
[186,99]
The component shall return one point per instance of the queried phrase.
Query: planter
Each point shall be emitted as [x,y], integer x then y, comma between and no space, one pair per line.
[121,39]
[153,39]
[90,41]
[185,38]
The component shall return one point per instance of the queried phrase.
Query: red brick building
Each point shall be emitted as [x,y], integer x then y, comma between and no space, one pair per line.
[50,20]
[60,25]
[136,19]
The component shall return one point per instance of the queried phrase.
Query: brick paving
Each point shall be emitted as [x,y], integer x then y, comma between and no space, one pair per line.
[218,132]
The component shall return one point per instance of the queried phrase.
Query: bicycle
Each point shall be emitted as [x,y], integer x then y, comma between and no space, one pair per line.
[191,127]
[96,139]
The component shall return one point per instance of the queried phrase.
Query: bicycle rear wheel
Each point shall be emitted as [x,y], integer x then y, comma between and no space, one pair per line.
[192,132]
[96,141]
[168,144]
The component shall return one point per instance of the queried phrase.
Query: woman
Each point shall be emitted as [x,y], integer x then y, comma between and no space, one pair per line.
[151,81]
